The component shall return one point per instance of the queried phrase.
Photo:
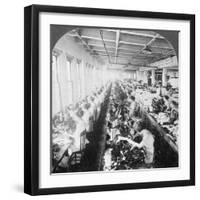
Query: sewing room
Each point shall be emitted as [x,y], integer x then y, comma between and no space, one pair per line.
[114,99]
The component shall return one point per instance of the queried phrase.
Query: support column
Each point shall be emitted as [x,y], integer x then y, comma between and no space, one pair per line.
[70,77]
[145,78]
[56,53]
[137,75]
[134,76]
[164,77]
[78,77]
[153,76]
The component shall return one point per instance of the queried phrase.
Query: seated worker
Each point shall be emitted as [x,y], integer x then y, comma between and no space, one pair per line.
[134,107]
[146,143]
[87,117]
[96,106]
[62,141]
[80,128]
[167,102]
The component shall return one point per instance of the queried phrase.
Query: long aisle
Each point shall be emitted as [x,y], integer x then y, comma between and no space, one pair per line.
[93,153]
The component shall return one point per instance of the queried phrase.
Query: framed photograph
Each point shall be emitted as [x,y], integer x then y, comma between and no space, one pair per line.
[109,99]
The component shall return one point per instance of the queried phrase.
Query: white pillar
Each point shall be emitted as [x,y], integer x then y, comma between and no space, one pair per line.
[164,77]
[56,53]
[142,76]
[70,78]
[145,78]
[137,75]
[153,76]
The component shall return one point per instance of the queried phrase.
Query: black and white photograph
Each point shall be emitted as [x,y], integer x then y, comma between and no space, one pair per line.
[114,99]
[98,100]
[109,99]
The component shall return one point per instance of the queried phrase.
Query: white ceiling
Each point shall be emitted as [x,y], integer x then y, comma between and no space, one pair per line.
[124,47]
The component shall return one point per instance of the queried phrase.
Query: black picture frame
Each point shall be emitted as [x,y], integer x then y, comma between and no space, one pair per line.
[31,98]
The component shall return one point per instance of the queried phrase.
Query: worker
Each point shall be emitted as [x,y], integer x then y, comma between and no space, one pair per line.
[134,107]
[80,128]
[147,144]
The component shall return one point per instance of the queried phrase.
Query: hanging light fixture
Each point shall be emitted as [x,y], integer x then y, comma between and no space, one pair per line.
[147,50]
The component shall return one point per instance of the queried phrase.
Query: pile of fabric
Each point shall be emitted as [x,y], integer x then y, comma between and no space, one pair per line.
[164,109]
[124,157]
[166,114]
[158,105]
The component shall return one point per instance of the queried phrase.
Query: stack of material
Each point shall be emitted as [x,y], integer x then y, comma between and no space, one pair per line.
[163,109]
[167,117]
[124,157]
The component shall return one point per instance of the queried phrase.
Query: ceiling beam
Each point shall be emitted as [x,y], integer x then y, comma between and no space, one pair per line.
[123,50]
[96,38]
[131,43]
[91,37]
[84,42]
[122,54]
[157,47]
[111,47]
[140,34]
[117,44]
[113,41]
[126,49]
[140,44]
[130,32]
[99,45]
[102,38]
[103,50]
[125,55]
[113,56]
[134,53]
[121,42]
[132,65]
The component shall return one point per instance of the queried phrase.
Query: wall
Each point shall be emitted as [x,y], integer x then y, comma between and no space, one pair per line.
[141,76]
[168,62]
[11,101]
[172,73]
[65,89]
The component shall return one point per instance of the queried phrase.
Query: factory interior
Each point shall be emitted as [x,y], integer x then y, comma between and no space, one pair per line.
[114,95]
